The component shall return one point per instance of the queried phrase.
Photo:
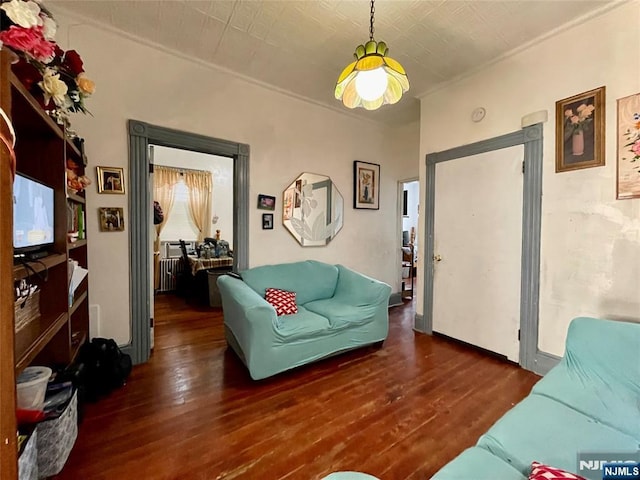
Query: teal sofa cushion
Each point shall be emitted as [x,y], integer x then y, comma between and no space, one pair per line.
[476,463]
[303,324]
[341,314]
[310,280]
[599,374]
[542,429]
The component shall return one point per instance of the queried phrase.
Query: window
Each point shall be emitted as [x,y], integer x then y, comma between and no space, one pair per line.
[179,225]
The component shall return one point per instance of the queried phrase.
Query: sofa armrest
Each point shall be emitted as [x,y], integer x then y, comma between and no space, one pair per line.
[358,289]
[249,316]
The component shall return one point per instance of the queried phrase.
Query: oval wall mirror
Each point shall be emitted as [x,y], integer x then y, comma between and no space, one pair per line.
[312,209]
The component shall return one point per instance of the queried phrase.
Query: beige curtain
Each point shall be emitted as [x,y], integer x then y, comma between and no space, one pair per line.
[200,186]
[164,183]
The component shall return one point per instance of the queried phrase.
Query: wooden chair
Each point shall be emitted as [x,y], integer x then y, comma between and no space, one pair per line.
[184,279]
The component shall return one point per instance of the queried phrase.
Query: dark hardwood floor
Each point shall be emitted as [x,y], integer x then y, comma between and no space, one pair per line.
[192,412]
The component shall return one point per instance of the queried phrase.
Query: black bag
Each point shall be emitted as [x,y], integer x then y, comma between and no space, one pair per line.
[158,214]
[105,367]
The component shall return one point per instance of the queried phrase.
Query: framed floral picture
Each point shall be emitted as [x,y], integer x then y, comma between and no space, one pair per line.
[628,178]
[366,185]
[266,202]
[580,122]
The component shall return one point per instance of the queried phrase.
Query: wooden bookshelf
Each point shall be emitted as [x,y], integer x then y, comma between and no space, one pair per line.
[54,336]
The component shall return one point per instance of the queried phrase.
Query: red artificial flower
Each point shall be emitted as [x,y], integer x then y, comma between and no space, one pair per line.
[73,63]
[59,54]
[22,39]
[43,51]
[27,73]
[29,40]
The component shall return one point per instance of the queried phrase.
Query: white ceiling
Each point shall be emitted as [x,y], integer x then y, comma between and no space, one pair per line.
[302,46]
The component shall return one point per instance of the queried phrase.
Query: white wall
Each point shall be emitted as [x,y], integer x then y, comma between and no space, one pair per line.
[590,257]
[287,136]
[221,169]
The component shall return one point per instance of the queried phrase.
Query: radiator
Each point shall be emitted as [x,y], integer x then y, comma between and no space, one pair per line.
[169,270]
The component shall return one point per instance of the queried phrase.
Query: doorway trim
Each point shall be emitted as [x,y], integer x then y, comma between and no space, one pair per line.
[141,135]
[531,137]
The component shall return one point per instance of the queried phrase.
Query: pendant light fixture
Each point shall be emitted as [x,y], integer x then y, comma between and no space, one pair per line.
[374,79]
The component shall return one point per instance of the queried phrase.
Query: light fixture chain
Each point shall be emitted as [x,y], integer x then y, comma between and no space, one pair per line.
[371,29]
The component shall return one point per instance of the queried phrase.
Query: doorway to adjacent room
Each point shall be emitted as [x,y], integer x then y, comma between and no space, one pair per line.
[193,195]
[141,136]
[410,204]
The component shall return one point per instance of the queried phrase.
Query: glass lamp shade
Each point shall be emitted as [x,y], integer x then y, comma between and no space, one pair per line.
[371,84]
[373,80]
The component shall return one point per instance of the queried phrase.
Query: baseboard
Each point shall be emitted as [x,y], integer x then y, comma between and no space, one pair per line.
[395,299]
[420,324]
[543,362]
[477,348]
[126,349]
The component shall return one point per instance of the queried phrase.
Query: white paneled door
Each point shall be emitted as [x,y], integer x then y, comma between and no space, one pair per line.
[478,249]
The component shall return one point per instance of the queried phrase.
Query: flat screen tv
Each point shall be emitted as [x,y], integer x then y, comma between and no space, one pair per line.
[32,215]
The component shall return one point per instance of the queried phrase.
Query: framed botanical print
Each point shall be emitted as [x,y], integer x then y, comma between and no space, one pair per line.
[628,173]
[366,185]
[580,122]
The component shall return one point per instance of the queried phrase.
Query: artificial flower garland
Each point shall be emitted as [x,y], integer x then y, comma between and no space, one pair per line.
[28,29]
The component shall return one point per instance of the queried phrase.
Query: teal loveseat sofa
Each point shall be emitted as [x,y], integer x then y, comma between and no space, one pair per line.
[588,403]
[338,310]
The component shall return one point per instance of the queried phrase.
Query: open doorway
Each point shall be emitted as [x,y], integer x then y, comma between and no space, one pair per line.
[141,136]
[193,234]
[409,233]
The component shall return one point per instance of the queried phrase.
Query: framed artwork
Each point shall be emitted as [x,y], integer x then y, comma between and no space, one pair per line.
[111,219]
[366,185]
[580,131]
[267,221]
[266,202]
[110,180]
[628,173]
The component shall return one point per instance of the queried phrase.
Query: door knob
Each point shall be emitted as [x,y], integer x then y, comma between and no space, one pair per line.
[437,258]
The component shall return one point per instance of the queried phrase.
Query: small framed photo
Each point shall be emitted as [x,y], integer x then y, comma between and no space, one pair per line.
[111,219]
[366,185]
[266,202]
[110,180]
[267,221]
[580,131]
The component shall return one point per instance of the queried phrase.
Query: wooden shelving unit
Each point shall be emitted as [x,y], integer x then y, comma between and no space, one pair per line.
[77,244]
[55,336]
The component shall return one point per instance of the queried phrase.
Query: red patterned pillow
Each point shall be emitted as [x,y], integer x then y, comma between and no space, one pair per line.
[283,301]
[545,472]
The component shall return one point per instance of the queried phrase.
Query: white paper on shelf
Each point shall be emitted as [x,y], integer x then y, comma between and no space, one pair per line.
[72,264]
[78,275]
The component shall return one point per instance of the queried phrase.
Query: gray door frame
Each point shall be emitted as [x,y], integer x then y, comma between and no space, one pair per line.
[531,137]
[141,135]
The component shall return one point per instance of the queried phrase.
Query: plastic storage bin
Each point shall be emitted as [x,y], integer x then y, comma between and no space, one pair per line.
[31,387]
